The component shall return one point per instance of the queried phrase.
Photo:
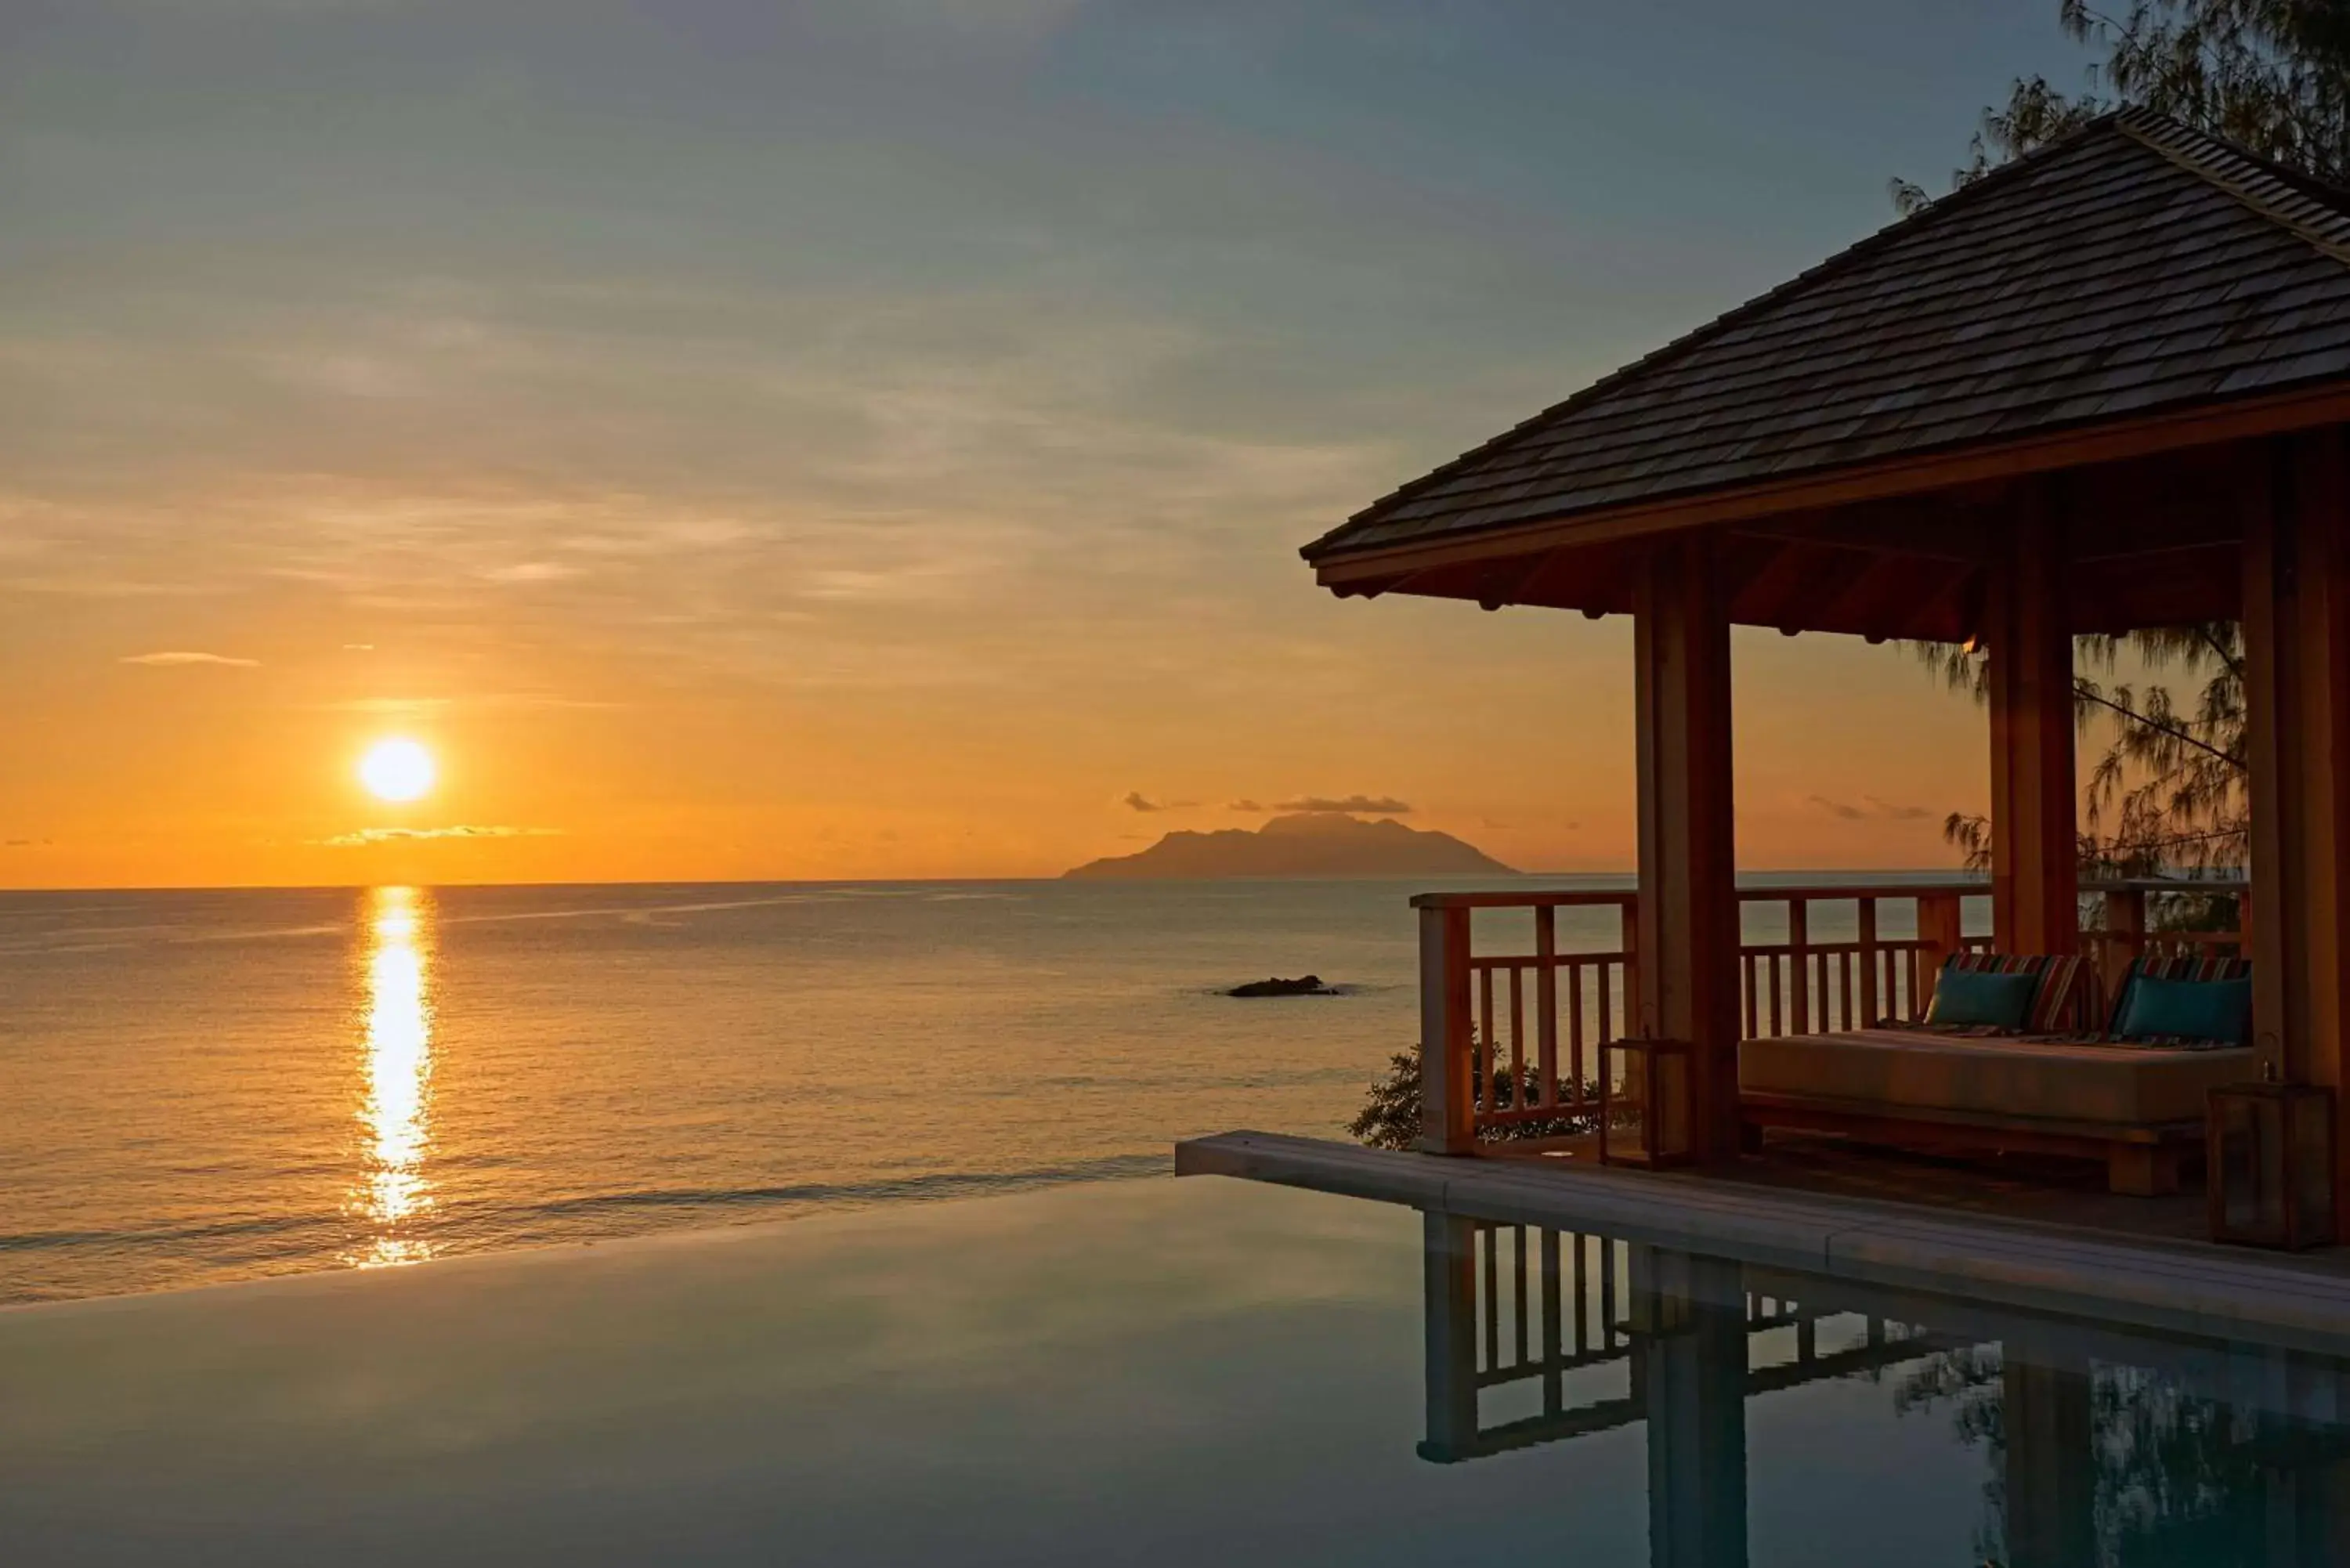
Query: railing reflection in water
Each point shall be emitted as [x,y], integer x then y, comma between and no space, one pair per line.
[2102,1432]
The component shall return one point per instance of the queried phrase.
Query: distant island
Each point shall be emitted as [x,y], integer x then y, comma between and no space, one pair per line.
[1309,844]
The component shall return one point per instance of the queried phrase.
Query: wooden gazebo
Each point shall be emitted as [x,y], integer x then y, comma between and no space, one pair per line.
[2104,388]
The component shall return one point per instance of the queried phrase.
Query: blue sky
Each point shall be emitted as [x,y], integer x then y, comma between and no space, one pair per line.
[768,394]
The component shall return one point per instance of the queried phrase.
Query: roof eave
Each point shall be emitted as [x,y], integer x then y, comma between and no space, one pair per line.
[1347,571]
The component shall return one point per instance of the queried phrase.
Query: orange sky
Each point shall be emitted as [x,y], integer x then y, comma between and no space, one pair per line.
[873,441]
[1014,754]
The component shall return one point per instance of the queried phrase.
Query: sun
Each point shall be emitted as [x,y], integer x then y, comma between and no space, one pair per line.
[397,770]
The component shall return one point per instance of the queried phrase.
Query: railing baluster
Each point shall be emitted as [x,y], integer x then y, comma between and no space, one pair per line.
[1489,1100]
[1492,1320]
[1869,1012]
[1554,1382]
[1606,1294]
[1518,1036]
[1518,1301]
[1546,1001]
[1799,939]
[1582,1293]
[1574,1032]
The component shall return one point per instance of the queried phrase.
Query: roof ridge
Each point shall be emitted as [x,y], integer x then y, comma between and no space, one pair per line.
[2253,180]
[1859,250]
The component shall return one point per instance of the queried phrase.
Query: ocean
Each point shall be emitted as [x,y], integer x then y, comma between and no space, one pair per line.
[205,1086]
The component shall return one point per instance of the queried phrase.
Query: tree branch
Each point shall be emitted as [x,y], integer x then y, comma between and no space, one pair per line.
[2090,694]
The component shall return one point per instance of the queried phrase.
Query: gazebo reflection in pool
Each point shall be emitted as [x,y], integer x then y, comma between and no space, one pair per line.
[2102,1443]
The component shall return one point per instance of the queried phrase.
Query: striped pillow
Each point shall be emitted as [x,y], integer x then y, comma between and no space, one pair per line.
[2183,966]
[2065,1003]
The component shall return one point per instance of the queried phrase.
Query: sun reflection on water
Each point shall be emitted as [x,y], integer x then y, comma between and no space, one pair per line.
[396,1115]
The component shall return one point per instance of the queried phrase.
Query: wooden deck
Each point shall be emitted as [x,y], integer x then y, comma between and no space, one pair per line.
[1988,1236]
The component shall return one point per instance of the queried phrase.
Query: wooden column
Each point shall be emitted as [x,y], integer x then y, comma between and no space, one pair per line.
[1448,1110]
[1688,970]
[2049,1421]
[1449,1285]
[2297,697]
[2125,941]
[1941,928]
[1689,1315]
[2036,875]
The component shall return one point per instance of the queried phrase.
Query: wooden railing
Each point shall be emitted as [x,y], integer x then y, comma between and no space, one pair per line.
[1524,1028]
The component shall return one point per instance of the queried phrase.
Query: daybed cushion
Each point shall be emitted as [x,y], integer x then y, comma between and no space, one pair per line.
[1979,997]
[2065,1002]
[2214,1009]
[1905,1070]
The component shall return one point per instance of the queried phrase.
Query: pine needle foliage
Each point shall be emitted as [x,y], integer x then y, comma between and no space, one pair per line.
[2167,793]
[1390,1115]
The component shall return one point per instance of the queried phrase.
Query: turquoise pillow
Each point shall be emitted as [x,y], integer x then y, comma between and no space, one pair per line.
[1976,998]
[2217,1009]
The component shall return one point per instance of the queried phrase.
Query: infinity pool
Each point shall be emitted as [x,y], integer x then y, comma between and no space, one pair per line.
[1155,1372]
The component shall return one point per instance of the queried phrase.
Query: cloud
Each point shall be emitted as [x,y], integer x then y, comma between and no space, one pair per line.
[1381,804]
[531,572]
[1871,809]
[1138,801]
[173,658]
[358,647]
[366,836]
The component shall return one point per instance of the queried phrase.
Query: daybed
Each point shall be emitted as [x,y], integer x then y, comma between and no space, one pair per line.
[2136,1106]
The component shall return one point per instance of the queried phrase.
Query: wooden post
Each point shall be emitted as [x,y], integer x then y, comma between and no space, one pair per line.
[2125,940]
[1689,891]
[1690,1314]
[2052,1464]
[1449,1287]
[1942,931]
[1448,1109]
[2034,836]
[2297,699]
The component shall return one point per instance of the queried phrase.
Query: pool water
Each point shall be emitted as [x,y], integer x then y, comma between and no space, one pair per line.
[1144,1372]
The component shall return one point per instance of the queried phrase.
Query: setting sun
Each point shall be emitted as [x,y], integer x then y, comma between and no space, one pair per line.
[397,770]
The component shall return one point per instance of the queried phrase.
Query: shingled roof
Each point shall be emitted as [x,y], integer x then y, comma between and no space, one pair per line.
[2134,267]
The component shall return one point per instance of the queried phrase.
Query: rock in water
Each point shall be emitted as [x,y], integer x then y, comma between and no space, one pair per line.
[1304,986]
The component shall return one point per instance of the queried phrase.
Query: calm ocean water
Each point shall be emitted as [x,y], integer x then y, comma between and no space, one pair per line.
[204,1087]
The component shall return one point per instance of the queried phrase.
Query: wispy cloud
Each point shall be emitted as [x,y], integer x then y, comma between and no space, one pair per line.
[1135,800]
[366,836]
[531,572]
[1380,805]
[1870,809]
[170,657]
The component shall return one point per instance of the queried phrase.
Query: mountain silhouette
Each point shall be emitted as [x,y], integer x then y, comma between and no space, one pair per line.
[1309,844]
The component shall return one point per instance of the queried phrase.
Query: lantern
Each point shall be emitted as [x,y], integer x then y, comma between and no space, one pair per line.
[1644,1102]
[2268,1165]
